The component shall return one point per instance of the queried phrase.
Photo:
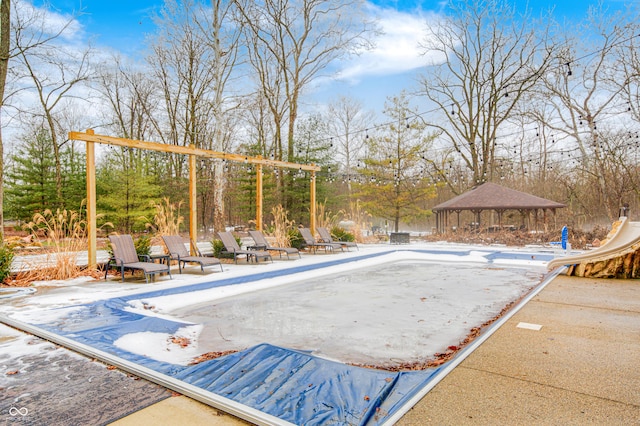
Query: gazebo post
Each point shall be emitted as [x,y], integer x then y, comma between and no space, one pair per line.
[500,217]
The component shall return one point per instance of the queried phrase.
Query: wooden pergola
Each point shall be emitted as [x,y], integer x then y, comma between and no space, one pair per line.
[91,139]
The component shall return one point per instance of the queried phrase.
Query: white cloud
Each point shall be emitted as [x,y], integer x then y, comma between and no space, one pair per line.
[49,22]
[397,49]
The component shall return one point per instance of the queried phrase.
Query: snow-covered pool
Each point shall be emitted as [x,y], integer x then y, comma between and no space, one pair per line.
[396,311]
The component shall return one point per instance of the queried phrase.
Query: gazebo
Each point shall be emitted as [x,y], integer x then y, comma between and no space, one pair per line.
[490,196]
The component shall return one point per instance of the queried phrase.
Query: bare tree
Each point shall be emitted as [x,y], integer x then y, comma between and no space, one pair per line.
[490,61]
[194,55]
[129,94]
[347,119]
[54,69]
[5,35]
[585,92]
[290,44]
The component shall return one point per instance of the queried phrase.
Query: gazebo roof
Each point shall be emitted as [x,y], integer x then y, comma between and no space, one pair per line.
[490,196]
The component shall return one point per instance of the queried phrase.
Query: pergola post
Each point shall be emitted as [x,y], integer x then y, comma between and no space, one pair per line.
[90,138]
[259,196]
[91,204]
[193,202]
[312,198]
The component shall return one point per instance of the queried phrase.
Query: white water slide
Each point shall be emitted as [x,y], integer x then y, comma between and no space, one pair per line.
[626,239]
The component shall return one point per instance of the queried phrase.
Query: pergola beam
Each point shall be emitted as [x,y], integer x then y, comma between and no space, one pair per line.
[193,153]
[89,136]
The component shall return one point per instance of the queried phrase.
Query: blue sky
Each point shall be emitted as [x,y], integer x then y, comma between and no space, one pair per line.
[121,25]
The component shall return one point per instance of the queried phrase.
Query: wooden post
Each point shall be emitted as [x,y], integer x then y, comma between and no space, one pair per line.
[91,204]
[259,196]
[312,198]
[90,138]
[193,202]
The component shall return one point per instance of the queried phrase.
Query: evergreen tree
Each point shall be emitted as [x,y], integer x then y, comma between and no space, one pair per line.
[74,177]
[126,190]
[393,185]
[31,179]
[311,147]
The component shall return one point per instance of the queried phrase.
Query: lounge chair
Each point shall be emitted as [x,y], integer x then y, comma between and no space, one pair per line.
[125,257]
[326,237]
[263,244]
[177,251]
[311,242]
[231,247]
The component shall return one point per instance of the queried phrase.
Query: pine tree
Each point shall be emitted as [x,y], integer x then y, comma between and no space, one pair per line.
[31,179]
[126,190]
[392,184]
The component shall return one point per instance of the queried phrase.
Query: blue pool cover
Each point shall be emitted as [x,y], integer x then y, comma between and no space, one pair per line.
[289,384]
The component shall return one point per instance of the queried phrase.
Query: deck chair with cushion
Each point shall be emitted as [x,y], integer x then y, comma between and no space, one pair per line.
[125,257]
[231,247]
[326,237]
[263,244]
[311,242]
[178,251]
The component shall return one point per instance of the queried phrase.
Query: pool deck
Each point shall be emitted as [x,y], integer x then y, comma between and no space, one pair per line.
[580,367]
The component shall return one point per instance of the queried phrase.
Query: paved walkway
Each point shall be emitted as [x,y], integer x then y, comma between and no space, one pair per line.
[580,367]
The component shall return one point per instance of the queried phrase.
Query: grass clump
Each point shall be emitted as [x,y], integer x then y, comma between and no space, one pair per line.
[167,220]
[281,226]
[61,235]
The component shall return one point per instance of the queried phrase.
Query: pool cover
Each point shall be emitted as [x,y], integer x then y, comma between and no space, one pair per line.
[291,385]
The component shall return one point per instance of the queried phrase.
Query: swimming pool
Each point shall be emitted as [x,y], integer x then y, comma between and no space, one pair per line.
[299,330]
[395,312]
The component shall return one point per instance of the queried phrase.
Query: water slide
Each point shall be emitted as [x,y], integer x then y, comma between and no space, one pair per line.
[624,238]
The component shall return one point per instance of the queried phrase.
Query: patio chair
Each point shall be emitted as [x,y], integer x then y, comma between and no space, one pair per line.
[263,244]
[177,251]
[311,242]
[231,247]
[125,257]
[326,237]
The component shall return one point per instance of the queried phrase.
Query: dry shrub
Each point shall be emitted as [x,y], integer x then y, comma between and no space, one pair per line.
[167,220]
[360,218]
[580,240]
[324,217]
[65,234]
[26,277]
[281,225]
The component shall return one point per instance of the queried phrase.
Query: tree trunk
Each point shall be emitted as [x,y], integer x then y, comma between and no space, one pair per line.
[5,33]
